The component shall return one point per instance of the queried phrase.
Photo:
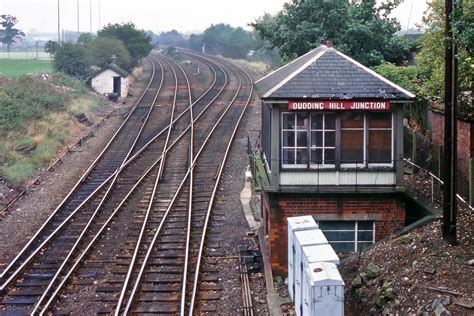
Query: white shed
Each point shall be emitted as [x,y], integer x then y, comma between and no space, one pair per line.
[110,79]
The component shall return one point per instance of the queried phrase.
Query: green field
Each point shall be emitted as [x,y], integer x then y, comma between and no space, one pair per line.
[25,55]
[18,67]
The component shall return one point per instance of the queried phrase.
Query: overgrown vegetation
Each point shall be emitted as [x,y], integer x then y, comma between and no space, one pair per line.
[430,60]
[361,29]
[121,44]
[407,77]
[225,40]
[36,121]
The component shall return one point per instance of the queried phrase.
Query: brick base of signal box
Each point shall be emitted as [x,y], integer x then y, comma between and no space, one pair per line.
[386,210]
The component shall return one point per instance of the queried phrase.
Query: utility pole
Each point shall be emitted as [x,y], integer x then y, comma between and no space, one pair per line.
[90,15]
[450,127]
[78,17]
[59,24]
[99,14]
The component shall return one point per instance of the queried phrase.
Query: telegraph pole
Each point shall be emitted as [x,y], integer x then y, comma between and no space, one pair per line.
[77,16]
[450,128]
[59,24]
[99,14]
[90,15]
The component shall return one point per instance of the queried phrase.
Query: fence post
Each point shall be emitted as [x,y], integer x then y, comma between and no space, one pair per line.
[471,181]
[440,162]
[413,148]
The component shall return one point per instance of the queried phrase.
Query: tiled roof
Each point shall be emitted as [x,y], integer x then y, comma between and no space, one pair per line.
[325,73]
[114,68]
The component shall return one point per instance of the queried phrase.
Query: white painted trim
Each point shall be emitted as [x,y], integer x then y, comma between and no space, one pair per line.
[290,63]
[283,82]
[370,71]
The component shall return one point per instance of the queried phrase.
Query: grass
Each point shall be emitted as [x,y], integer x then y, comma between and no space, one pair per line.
[25,55]
[258,66]
[37,121]
[44,137]
[19,67]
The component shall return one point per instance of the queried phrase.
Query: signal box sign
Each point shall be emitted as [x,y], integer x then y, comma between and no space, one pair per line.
[339,105]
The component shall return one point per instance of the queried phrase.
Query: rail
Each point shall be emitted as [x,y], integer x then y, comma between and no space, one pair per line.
[211,201]
[83,177]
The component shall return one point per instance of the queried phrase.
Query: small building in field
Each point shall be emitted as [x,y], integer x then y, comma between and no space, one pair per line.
[331,147]
[110,80]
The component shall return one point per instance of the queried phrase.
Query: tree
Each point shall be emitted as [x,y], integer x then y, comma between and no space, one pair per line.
[430,60]
[360,29]
[51,47]
[85,39]
[223,39]
[103,48]
[73,60]
[172,38]
[137,42]
[8,33]
[195,42]
[407,77]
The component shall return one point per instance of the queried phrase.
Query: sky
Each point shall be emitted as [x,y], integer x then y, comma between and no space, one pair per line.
[159,15]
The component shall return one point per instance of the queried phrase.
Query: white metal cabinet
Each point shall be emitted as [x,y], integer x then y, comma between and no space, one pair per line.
[297,223]
[312,254]
[303,239]
[323,290]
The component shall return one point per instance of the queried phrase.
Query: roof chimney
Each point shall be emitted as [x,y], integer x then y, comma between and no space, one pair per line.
[329,44]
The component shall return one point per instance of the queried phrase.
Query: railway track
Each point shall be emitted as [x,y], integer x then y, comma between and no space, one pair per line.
[147,223]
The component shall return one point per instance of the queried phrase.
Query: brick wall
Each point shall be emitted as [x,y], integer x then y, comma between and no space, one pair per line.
[465,147]
[386,210]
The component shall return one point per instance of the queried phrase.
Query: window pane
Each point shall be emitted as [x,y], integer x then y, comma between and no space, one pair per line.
[339,225]
[380,120]
[302,139]
[288,156]
[339,236]
[316,121]
[330,139]
[330,121]
[352,146]
[365,236]
[316,139]
[380,146]
[352,120]
[366,225]
[301,156]
[317,156]
[288,139]
[302,121]
[330,156]
[288,120]
[343,246]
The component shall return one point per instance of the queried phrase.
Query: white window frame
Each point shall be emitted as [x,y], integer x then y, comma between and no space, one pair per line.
[324,147]
[362,164]
[309,147]
[392,154]
[295,147]
[355,231]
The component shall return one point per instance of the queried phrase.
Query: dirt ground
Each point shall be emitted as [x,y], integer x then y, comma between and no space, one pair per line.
[418,273]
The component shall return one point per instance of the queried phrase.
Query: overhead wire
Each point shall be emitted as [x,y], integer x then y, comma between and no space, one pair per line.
[409,16]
